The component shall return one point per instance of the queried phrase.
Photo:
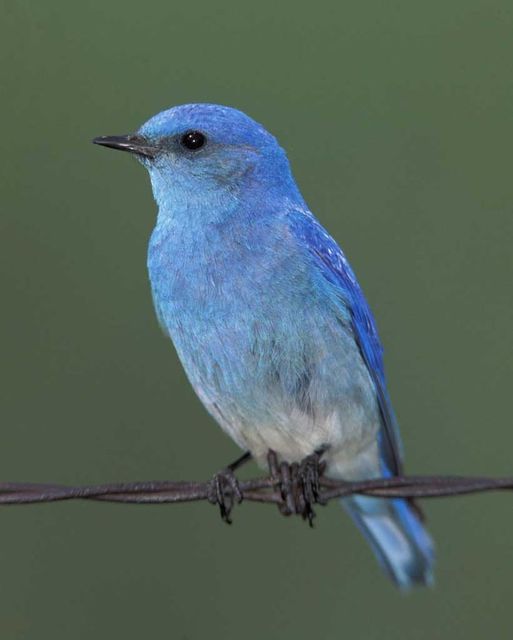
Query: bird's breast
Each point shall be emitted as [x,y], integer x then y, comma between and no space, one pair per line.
[220,274]
[235,305]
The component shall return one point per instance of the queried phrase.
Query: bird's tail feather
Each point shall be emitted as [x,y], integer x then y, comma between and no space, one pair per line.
[401,544]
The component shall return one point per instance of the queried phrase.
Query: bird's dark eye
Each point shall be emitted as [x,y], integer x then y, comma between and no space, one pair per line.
[193,140]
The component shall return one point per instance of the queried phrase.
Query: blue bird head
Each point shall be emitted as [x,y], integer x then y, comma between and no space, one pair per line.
[206,152]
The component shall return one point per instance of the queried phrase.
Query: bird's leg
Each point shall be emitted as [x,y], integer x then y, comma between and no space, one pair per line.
[298,483]
[224,488]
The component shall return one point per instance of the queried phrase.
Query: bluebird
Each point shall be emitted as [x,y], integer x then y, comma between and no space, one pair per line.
[267,316]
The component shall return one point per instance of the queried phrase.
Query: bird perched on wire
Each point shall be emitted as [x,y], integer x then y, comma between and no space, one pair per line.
[267,316]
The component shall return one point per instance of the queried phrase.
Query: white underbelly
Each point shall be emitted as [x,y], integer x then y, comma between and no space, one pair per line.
[350,435]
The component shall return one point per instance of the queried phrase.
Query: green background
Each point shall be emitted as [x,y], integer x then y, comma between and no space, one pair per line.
[397,118]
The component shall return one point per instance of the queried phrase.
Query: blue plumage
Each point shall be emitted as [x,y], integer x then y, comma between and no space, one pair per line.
[267,316]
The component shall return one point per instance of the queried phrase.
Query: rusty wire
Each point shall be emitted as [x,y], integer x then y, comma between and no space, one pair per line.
[264,490]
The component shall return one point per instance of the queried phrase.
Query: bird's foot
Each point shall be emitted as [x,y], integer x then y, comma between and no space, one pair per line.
[224,490]
[310,471]
[299,483]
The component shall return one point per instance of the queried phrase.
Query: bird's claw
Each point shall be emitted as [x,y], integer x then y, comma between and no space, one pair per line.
[310,471]
[224,491]
[299,484]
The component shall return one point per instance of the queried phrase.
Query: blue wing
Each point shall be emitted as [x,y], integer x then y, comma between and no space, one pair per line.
[334,266]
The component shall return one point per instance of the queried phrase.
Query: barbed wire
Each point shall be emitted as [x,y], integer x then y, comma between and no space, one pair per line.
[267,489]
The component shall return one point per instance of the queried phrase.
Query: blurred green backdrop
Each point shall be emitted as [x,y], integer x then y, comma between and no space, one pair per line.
[397,119]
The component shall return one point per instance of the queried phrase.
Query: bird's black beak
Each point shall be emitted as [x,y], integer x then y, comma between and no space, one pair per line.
[133,143]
